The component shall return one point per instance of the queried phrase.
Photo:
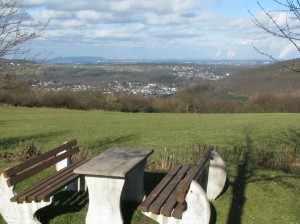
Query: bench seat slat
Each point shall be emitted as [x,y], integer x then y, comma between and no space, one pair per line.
[179,209]
[34,160]
[44,165]
[51,185]
[194,173]
[160,200]
[145,205]
[172,201]
[23,196]
[58,185]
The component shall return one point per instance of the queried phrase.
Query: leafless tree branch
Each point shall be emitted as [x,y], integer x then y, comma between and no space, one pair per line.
[288,30]
[283,64]
[17,28]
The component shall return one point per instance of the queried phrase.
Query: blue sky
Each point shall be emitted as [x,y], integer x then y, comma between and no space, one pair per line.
[156,29]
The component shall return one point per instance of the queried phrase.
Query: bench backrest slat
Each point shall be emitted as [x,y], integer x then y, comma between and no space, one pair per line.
[34,160]
[42,166]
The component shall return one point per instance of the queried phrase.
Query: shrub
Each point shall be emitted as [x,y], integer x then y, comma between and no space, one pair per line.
[84,153]
[286,158]
[26,150]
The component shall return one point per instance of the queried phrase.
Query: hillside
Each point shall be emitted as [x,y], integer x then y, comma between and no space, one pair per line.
[137,78]
[273,78]
[192,88]
[233,78]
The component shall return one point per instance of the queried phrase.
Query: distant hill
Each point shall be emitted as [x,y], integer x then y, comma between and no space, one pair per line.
[77,60]
[270,78]
[246,79]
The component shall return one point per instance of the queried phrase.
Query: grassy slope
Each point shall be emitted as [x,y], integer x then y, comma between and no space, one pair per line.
[270,196]
[99,130]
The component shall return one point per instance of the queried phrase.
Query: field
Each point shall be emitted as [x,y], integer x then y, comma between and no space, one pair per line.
[254,194]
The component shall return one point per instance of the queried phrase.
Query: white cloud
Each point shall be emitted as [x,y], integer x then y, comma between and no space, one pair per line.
[92,16]
[287,50]
[174,24]
[230,54]
[183,5]
[219,52]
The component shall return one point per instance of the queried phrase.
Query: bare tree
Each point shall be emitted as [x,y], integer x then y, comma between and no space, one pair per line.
[17,28]
[289,29]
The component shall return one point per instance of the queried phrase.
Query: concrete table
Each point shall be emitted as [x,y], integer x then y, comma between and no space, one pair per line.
[114,175]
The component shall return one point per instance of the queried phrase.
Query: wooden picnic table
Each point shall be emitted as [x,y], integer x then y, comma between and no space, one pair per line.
[114,175]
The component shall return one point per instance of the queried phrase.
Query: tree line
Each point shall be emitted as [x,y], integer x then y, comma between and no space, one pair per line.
[14,91]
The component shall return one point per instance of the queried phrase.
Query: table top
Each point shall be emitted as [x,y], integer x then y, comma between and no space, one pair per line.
[114,162]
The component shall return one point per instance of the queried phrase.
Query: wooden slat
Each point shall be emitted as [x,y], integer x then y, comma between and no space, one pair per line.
[51,185]
[179,209]
[170,200]
[145,205]
[56,186]
[160,200]
[200,175]
[171,203]
[59,184]
[192,175]
[34,160]
[44,165]
[23,196]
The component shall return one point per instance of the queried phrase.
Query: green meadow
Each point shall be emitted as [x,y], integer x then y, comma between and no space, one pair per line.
[253,194]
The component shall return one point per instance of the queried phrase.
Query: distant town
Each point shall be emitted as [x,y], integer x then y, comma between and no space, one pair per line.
[121,76]
[110,88]
[131,87]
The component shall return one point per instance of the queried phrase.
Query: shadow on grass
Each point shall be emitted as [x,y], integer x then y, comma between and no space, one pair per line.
[128,210]
[151,180]
[244,172]
[64,202]
[11,142]
[104,143]
[213,214]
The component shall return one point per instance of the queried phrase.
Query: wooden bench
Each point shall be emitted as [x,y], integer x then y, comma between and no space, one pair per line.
[179,197]
[21,207]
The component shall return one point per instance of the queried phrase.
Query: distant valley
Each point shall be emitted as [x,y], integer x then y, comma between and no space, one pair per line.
[182,86]
[141,77]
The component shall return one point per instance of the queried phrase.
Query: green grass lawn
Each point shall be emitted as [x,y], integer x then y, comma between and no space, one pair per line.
[254,195]
[100,130]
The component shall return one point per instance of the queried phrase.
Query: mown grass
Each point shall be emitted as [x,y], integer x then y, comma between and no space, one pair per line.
[254,195]
[99,130]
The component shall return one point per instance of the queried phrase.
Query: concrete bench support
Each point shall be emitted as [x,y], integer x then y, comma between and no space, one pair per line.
[113,176]
[216,176]
[21,213]
[104,199]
